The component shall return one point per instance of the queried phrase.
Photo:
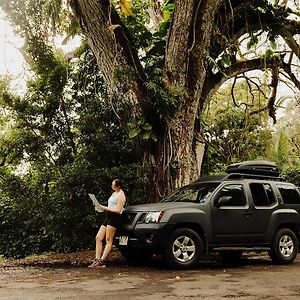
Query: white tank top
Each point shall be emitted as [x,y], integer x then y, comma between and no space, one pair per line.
[113,200]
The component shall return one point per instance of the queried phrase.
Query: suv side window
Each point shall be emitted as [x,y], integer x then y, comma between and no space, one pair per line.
[289,193]
[235,191]
[262,194]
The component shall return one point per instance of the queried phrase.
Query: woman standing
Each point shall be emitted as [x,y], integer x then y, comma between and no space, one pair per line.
[109,227]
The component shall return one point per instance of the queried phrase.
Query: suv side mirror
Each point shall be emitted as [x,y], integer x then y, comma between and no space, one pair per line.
[223,201]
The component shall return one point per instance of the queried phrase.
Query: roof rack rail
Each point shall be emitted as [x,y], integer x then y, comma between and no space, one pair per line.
[252,176]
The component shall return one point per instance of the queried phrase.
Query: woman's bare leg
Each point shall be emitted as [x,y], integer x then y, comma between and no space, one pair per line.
[110,233]
[99,239]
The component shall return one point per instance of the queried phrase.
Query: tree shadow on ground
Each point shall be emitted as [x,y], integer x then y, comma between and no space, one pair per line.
[117,262]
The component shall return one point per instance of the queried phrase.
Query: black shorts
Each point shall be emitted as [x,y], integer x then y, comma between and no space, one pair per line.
[112,219]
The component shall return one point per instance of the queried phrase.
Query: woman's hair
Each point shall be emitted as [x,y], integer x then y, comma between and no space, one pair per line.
[118,183]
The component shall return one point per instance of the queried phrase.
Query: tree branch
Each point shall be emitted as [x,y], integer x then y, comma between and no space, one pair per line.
[230,19]
[294,141]
[176,54]
[155,13]
[287,69]
[232,91]
[245,19]
[254,112]
[213,82]
[231,10]
[260,63]
[188,36]
[289,39]
[111,44]
[273,93]
[254,83]
[287,82]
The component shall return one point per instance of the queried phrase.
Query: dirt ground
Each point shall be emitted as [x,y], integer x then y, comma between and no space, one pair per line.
[65,276]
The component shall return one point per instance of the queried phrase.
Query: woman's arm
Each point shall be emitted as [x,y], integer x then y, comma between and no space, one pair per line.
[120,205]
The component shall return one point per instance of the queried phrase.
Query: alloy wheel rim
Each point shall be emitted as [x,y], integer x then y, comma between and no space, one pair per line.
[286,246]
[184,249]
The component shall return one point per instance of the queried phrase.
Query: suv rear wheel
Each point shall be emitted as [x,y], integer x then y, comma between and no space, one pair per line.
[183,249]
[285,247]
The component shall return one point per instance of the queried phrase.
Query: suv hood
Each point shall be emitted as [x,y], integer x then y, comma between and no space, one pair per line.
[159,206]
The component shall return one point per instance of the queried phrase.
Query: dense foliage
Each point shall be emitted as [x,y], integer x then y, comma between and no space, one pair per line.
[232,134]
[59,143]
[240,130]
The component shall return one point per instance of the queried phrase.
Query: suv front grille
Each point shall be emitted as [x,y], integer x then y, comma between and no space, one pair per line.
[141,218]
[128,218]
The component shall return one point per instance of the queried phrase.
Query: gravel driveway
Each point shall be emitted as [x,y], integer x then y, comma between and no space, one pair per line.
[253,277]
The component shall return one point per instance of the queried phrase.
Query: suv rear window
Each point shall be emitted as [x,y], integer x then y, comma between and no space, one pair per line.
[289,193]
[262,194]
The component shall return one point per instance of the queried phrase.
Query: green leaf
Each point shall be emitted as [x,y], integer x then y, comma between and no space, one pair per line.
[252,42]
[153,137]
[261,9]
[163,27]
[167,11]
[141,121]
[146,135]
[134,132]
[202,122]
[268,54]
[147,126]
[131,124]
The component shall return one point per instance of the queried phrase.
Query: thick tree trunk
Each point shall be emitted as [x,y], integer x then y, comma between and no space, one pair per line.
[185,67]
[111,44]
[175,159]
[179,154]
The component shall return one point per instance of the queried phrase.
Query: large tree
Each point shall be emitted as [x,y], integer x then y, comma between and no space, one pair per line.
[165,59]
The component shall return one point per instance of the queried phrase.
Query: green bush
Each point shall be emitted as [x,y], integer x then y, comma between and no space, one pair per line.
[293,175]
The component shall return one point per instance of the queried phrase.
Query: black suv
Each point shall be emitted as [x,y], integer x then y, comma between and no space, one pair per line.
[248,209]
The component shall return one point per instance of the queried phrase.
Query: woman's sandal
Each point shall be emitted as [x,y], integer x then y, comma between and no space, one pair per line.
[97,264]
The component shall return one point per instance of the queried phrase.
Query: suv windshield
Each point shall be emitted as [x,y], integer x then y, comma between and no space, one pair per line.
[196,193]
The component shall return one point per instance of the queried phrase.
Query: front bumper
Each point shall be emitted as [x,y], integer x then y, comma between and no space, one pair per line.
[142,235]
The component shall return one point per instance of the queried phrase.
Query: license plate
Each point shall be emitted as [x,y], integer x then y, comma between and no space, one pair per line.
[123,240]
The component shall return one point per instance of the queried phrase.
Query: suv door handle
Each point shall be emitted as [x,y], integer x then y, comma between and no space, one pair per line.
[247,214]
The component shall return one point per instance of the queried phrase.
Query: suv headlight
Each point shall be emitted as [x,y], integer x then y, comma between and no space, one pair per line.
[153,216]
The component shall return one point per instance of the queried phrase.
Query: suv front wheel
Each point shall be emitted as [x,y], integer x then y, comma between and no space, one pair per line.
[183,248]
[285,247]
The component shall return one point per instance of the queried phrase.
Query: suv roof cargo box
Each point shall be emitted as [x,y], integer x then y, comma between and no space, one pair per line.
[256,167]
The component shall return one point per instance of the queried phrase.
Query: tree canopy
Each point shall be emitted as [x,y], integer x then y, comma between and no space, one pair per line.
[162,61]
[58,143]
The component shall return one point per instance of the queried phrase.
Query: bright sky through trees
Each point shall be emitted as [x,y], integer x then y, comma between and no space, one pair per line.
[12,62]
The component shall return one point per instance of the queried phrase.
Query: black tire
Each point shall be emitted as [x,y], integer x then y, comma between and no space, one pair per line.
[183,249]
[284,247]
[136,256]
[231,256]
